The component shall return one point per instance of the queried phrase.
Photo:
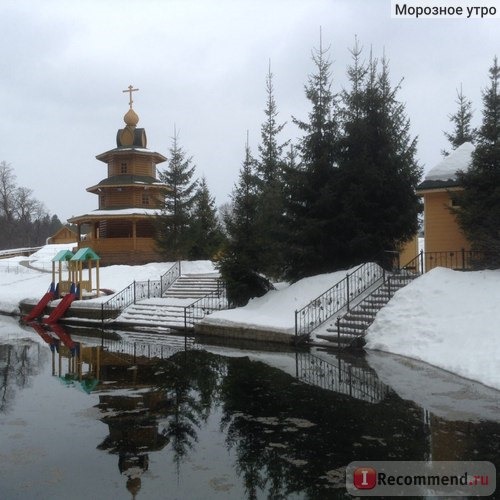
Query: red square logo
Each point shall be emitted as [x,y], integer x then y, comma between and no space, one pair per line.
[364,478]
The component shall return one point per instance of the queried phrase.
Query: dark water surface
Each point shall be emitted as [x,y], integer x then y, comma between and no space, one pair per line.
[141,416]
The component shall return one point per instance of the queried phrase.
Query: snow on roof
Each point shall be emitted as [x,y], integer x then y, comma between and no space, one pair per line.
[125,211]
[447,168]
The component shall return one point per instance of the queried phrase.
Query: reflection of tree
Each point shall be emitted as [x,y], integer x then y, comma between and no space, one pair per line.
[191,379]
[290,437]
[18,364]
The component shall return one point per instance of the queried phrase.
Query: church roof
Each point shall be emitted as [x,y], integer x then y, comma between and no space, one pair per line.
[444,174]
[129,213]
[128,180]
[126,150]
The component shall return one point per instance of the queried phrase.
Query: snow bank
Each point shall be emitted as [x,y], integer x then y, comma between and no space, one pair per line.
[450,319]
[30,277]
[275,311]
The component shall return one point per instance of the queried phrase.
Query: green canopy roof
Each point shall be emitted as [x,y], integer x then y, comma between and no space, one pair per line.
[85,254]
[62,255]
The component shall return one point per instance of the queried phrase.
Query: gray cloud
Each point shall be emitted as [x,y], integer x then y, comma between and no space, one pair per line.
[201,65]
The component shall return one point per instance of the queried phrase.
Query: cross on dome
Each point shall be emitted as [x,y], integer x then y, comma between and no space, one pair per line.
[130,90]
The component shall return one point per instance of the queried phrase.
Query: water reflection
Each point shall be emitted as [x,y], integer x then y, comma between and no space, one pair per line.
[19,363]
[274,434]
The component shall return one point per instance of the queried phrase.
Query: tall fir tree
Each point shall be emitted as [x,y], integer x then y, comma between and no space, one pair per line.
[310,205]
[239,262]
[173,233]
[461,120]
[206,235]
[479,212]
[270,176]
[378,170]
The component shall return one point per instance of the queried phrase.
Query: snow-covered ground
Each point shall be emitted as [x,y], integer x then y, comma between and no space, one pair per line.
[30,277]
[276,310]
[450,319]
[446,318]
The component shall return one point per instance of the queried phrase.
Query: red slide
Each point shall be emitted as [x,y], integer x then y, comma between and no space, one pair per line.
[63,335]
[39,308]
[61,308]
[41,331]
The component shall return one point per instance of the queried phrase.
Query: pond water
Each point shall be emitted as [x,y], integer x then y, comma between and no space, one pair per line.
[155,416]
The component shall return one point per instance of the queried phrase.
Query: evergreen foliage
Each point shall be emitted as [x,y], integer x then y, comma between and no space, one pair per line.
[479,213]
[310,202]
[378,171]
[461,120]
[270,180]
[173,225]
[239,262]
[206,235]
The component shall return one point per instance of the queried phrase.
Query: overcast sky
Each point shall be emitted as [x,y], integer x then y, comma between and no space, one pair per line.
[201,66]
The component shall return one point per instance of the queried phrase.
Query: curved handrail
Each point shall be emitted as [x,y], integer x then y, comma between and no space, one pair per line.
[213,301]
[336,297]
[138,290]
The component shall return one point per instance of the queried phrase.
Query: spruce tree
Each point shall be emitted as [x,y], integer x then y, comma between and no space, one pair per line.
[461,120]
[173,232]
[479,212]
[206,235]
[239,262]
[378,170]
[310,205]
[270,170]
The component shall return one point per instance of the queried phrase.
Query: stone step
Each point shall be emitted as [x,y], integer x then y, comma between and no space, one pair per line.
[345,339]
[186,293]
[355,324]
[194,286]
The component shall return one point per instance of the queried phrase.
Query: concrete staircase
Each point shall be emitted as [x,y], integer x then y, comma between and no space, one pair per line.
[351,328]
[167,312]
[193,286]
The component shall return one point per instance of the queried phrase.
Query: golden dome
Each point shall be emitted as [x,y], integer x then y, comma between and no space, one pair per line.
[131,118]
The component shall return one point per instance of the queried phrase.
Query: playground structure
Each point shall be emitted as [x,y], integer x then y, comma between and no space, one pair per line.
[75,272]
[70,289]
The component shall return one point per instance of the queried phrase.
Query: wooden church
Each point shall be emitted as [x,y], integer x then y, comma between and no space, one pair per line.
[121,230]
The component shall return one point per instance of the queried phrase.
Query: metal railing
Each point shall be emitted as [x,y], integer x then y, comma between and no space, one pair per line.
[140,290]
[214,301]
[358,324]
[460,260]
[147,350]
[170,276]
[336,298]
[341,377]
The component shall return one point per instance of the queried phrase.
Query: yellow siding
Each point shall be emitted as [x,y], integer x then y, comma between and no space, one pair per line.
[409,251]
[442,232]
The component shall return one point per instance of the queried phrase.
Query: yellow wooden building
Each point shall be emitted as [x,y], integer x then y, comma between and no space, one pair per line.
[63,235]
[444,240]
[122,229]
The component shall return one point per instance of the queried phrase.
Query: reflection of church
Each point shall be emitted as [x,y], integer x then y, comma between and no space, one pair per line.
[121,230]
[132,421]
[132,417]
